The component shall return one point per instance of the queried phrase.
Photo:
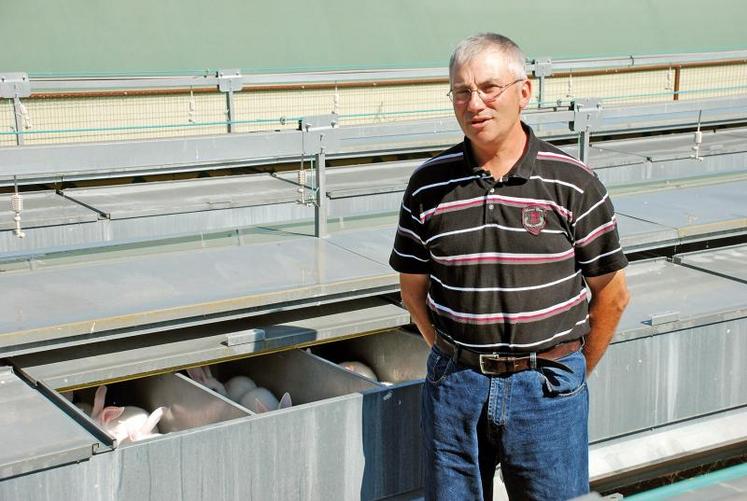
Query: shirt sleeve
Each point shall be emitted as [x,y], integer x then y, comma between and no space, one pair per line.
[410,254]
[596,240]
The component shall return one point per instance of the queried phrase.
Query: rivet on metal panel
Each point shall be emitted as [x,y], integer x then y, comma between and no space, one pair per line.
[245,337]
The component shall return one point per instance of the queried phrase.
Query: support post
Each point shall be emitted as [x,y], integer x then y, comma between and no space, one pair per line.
[587,116]
[229,81]
[18,120]
[321,206]
[542,69]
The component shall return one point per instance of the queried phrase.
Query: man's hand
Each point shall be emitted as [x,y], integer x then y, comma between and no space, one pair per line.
[609,297]
[414,290]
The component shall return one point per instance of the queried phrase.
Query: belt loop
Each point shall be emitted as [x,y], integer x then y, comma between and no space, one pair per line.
[457,352]
[533,360]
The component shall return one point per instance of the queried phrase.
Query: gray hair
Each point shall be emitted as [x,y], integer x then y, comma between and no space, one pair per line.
[477,44]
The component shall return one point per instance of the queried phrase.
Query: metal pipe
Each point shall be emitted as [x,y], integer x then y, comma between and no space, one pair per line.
[321,206]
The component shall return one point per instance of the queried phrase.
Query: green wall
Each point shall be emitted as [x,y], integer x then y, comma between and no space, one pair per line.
[176,36]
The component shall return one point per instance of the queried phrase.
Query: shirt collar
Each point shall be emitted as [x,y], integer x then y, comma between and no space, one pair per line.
[523,168]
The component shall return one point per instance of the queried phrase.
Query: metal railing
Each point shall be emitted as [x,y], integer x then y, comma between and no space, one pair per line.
[45,110]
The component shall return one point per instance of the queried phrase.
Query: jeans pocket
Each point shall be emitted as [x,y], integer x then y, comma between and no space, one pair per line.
[560,383]
[438,367]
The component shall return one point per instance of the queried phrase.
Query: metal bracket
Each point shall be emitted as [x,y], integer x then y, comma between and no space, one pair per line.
[318,122]
[229,80]
[14,85]
[587,115]
[542,67]
[665,317]
[245,337]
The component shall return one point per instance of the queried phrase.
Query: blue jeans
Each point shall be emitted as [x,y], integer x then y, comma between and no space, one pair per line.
[534,423]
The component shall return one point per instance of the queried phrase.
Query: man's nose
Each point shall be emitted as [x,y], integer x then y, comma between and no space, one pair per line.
[475,102]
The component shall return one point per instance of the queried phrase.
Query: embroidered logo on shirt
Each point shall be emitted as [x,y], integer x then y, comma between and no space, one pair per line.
[533,219]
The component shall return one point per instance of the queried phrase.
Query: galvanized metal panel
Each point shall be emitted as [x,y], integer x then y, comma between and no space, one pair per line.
[314,450]
[670,377]
[44,208]
[310,452]
[95,479]
[34,432]
[700,299]
[47,219]
[679,146]
[364,179]
[82,365]
[695,211]
[682,368]
[373,243]
[614,462]
[175,197]
[729,262]
[202,222]
[49,305]
[637,235]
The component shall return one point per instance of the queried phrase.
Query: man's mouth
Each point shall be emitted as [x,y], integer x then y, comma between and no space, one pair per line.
[479,122]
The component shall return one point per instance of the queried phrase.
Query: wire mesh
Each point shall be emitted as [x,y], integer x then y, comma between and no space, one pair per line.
[54,119]
[262,109]
[7,123]
[78,119]
[713,81]
[612,89]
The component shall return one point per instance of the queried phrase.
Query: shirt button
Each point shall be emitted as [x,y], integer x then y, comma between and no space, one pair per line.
[492,190]
[490,207]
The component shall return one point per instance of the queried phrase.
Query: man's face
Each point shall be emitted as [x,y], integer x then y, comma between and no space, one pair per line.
[487,125]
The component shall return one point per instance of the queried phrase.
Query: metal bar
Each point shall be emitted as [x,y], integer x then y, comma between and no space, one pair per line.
[18,116]
[321,208]
[230,111]
[583,145]
[53,163]
[677,72]
[45,84]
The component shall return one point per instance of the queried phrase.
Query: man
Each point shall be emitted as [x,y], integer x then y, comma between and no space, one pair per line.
[498,238]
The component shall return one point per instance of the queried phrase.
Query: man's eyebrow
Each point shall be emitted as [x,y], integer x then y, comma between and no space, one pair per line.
[491,81]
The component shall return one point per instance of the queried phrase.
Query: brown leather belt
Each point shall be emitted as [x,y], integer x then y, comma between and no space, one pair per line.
[495,364]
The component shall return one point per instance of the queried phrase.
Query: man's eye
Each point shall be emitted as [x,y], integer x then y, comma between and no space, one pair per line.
[462,94]
[491,90]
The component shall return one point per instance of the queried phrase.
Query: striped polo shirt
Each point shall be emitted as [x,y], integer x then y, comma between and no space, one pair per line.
[507,257]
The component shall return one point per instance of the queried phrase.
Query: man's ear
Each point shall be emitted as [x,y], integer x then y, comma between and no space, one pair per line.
[526,93]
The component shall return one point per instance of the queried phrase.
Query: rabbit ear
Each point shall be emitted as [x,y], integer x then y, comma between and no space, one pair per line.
[197,374]
[98,401]
[285,401]
[261,407]
[109,414]
[207,371]
[152,420]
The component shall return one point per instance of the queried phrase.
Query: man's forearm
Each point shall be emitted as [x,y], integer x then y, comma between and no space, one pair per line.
[414,290]
[609,299]
[419,313]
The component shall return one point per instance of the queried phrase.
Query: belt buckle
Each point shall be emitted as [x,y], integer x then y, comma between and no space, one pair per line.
[487,359]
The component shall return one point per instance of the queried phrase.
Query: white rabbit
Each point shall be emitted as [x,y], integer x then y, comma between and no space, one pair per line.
[262,400]
[360,368]
[130,423]
[237,387]
[203,376]
[125,423]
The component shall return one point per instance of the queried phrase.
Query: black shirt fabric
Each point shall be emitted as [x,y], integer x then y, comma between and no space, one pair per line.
[507,257]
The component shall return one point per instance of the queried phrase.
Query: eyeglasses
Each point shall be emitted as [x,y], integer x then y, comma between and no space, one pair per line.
[488,94]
